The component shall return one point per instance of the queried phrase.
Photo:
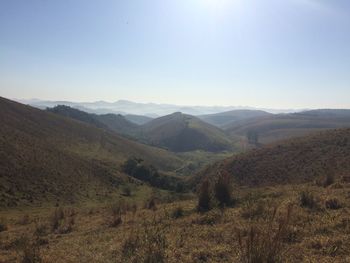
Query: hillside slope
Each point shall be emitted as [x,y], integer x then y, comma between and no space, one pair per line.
[284,126]
[293,161]
[180,133]
[112,122]
[45,157]
[227,118]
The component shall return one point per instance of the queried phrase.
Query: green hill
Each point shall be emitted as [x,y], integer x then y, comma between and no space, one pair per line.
[224,119]
[45,157]
[293,161]
[181,132]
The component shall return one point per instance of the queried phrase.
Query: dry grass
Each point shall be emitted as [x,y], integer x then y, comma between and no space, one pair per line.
[309,235]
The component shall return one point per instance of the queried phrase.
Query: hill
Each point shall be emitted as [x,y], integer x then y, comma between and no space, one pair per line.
[227,118]
[284,126]
[293,161]
[138,119]
[45,157]
[112,122]
[181,132]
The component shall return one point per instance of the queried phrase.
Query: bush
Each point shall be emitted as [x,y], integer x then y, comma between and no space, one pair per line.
[254,210]
[222,190]
[328,180]
[151,204]
[126,190]
[177,213]
[333,204]
[62,221]
[308,200]
[264,243]
[204,197]
[147,245]
[28,250]
[3,226]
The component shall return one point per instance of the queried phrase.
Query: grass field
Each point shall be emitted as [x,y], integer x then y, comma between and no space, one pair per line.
[176,232]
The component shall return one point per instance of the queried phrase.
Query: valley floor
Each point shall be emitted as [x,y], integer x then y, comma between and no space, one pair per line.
[175,232]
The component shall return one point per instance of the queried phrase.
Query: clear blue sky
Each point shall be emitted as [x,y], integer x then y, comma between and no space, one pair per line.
[263,53]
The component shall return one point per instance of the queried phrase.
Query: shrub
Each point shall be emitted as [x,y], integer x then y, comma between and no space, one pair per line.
[210,218]
[126,190]
[116,210]
[222,190]
[204,197]
[56,218]
[3,226]
[307,200]
[151,204]
[253,210]
[147,245]
[177,213]
[333,204]
[328,180]
[264,243]
[62,221]
[28,250]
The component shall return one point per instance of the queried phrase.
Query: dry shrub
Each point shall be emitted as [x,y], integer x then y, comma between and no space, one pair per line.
[204,198]
[3,226]
[264,243]
[210,218]
[333,204]
[177,213]
[308,200]
[151,204]
[28,250]
[146,245]
[223,190]
[329,180]
[253,210]
[116,211]
[62,221]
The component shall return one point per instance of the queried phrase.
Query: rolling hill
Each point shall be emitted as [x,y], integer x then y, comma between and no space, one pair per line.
[293,161]
[283,126]
[138,119]
[181,132]
[112,122]
[224,119]
[45,157]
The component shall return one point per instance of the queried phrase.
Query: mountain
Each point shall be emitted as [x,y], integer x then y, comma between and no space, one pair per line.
[45,157]
[293,161]
[138,119]
[181,132]
[227,118]
[283,126]
[113,122]
[146,109]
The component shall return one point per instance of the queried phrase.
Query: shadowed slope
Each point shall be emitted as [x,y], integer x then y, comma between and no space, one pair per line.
[45,156]
[294,161]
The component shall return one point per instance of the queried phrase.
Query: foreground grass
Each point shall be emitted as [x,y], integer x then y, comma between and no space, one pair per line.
[175,232]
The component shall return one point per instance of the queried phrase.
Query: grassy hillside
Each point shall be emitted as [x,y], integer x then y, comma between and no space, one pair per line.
[225,119]
[294,161]
[46,157]
[112,122]
[138,119]
[283,126]
[180,133]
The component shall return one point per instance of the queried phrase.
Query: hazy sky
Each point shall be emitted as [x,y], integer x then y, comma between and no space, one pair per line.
[263,53]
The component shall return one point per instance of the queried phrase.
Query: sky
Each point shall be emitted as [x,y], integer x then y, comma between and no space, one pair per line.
[260,53]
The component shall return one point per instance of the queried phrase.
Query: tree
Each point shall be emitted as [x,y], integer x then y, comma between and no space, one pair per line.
[204,196]
[222,189]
